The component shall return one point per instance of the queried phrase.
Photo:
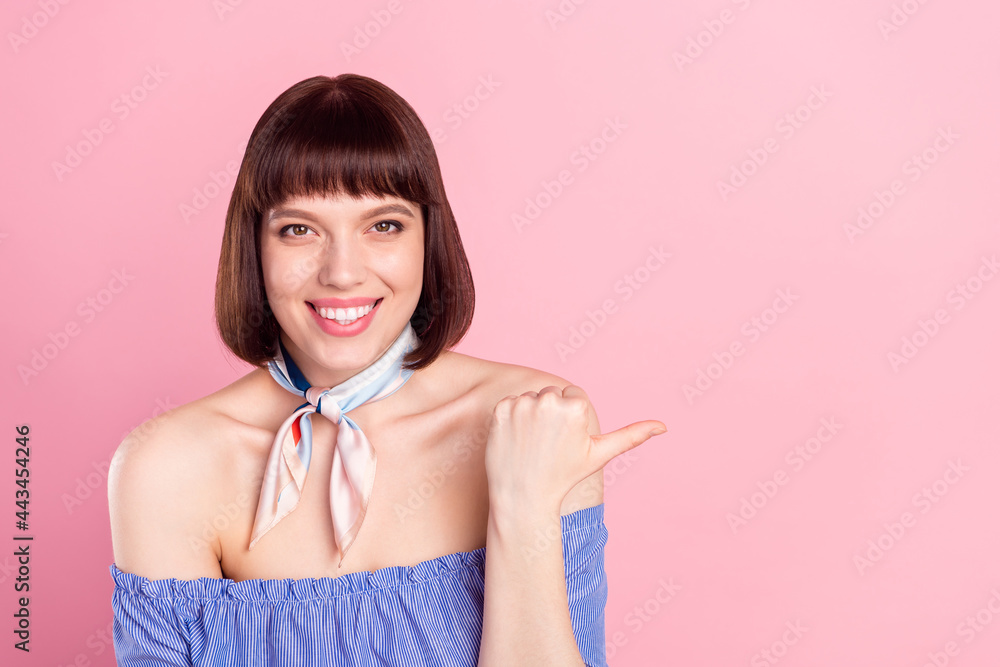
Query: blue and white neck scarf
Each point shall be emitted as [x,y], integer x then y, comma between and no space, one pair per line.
[354,458]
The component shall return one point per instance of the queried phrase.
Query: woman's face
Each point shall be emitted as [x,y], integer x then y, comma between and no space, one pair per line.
[326,261]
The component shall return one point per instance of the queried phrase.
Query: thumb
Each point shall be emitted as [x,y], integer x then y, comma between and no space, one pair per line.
[615,443]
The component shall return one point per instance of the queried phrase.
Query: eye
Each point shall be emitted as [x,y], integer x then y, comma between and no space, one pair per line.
[297,230]
[384,226]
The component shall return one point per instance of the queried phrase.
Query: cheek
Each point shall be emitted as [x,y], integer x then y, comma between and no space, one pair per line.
[416,258]
[417,265]
[270,268]
[410,270]
[284,273]
[401,266]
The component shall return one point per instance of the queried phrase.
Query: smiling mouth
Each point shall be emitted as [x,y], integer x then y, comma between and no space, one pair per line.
[345,316]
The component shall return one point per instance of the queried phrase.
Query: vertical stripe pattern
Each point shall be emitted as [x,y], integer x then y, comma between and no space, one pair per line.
[430,613]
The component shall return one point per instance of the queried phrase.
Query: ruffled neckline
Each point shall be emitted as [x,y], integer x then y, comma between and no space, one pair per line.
[393,576]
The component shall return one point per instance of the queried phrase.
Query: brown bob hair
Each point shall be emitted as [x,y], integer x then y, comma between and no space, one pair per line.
[352,135]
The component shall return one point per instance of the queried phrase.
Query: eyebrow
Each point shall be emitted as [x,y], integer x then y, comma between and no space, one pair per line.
[371,213]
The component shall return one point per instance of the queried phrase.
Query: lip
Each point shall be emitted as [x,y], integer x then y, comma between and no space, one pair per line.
[331,327]
[343,303]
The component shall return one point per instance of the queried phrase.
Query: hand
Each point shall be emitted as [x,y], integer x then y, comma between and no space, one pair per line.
[539,447]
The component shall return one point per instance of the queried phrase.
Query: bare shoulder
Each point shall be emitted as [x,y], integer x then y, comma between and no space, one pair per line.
[494,379]
[497,380]
[164,478]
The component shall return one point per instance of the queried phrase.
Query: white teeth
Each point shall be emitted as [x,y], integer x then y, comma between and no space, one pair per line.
[345,315]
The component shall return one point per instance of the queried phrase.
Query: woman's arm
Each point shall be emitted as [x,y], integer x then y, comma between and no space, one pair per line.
[526,617]
[541,447]
[159,486]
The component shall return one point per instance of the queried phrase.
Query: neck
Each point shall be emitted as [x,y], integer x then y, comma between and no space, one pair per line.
[319,374]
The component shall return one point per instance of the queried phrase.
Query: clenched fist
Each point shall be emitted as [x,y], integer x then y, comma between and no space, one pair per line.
[539,447]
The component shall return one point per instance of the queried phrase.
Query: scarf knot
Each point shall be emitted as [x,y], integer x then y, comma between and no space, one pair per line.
[330,409]
[354,457]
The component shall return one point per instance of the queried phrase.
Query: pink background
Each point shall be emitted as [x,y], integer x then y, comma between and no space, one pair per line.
[683,127]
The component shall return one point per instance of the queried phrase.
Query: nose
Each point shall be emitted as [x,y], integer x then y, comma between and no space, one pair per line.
[342,264]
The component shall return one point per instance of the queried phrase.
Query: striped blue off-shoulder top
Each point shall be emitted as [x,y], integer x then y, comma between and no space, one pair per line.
[430,613]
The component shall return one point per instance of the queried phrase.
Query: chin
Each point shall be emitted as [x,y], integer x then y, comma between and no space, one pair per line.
[355,352]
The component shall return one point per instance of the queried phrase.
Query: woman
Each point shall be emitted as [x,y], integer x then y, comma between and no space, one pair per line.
[249,526]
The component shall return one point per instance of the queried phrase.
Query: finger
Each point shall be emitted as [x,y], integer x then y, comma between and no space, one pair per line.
[572,390]
[616,443]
